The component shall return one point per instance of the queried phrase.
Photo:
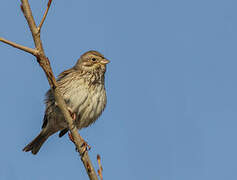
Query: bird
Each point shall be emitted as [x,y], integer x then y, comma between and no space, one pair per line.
[83,90]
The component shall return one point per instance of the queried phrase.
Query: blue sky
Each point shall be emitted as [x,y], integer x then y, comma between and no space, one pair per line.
[171,86]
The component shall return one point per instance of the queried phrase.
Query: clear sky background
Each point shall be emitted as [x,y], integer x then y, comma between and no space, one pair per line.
[171,86]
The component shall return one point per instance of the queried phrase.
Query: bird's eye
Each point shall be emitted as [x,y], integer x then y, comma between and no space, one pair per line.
[93,59]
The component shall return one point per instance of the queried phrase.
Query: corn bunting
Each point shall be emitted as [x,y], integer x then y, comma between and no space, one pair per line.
[83,90]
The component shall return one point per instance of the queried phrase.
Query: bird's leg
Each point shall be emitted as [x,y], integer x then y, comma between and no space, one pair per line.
[70,137]
[85,145]
[74,116]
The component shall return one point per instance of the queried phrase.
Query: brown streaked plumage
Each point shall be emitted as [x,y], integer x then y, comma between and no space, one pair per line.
[83,90]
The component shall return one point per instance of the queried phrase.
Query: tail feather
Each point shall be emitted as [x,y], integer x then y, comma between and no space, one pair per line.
[35,145]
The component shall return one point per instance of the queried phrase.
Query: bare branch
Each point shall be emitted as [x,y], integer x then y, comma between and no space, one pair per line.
[45,14]
[18,46]
[45,64]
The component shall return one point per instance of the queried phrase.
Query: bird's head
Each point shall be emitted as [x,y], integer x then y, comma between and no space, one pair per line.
[92,61]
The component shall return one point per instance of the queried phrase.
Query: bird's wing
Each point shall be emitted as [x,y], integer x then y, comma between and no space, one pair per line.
[65,73]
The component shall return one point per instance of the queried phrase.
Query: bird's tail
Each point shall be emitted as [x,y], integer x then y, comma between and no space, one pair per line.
[35,145]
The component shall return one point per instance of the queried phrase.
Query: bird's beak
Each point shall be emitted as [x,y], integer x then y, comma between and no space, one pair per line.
[104,61]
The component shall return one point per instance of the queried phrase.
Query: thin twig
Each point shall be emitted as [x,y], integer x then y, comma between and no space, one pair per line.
[18,46]
[100,167]
[45,14]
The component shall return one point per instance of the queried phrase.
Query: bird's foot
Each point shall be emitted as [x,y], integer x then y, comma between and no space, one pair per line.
[85,145]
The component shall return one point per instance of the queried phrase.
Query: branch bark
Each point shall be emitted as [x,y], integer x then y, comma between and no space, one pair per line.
[45,14]
[23,48]
[44,62]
